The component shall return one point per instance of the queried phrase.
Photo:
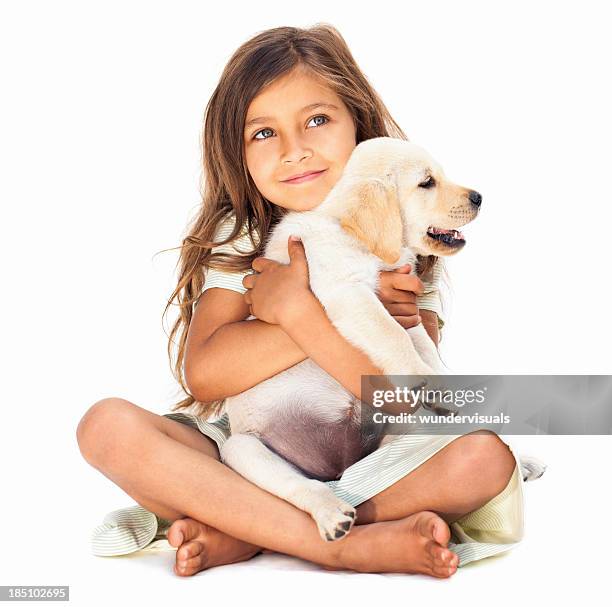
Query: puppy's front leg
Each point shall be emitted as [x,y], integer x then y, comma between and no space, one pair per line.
[362,319]
[248,456]
[429,353]
[426,348]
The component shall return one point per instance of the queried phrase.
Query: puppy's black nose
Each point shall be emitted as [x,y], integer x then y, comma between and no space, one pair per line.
[475,198]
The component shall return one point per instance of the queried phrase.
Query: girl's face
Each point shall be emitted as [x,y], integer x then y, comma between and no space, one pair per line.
[296,125]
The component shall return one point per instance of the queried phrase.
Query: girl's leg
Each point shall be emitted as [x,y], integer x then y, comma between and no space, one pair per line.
[129,445]
[211,546]
[136,449]
[458,479]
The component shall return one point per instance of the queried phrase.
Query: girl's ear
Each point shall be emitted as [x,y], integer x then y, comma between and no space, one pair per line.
[372,215]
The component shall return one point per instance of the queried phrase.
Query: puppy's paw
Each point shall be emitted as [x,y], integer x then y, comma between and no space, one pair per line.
[335,519]
[531,467]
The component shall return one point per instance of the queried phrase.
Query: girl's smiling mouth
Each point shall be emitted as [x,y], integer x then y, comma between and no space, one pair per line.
[307,177]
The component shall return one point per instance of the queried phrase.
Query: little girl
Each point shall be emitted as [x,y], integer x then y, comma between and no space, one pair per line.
[290,101]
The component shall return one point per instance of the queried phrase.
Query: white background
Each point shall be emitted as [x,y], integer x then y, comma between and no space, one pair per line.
[100,123]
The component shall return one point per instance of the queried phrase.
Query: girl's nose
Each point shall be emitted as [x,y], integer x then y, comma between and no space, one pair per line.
[295,151]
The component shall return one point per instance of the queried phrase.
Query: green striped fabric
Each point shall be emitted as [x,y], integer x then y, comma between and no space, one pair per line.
[494,528]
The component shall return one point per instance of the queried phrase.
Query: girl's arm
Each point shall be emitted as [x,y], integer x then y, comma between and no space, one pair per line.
[280,295]
[239,355]
[430,322]
[226,354]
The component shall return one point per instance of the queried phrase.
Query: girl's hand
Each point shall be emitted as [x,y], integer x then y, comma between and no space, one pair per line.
[398,292]
[278,292]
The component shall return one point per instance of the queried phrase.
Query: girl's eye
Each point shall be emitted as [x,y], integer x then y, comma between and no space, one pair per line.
[320,116]
[262,131]
[313,118]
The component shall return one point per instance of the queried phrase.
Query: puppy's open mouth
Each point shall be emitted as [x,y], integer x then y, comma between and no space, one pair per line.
[452,238]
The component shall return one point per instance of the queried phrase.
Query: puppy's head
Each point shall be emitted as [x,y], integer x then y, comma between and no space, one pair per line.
[393,194]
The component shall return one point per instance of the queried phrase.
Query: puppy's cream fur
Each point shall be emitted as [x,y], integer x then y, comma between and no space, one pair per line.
[301,426]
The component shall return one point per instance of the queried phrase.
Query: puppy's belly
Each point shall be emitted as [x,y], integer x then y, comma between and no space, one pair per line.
[320,449]
[308,418]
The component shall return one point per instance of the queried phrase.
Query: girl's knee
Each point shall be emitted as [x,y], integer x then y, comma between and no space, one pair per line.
[101,424]
[490,461]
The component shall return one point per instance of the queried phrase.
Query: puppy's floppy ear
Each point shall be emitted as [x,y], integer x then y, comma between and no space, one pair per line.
[372,215]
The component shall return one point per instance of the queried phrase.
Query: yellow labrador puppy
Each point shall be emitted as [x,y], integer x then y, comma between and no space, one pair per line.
[301,427]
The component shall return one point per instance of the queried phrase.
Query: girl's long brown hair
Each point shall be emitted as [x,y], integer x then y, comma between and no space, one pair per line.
[227,186]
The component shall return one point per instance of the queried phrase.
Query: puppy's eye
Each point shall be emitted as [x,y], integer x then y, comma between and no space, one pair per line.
[430,182]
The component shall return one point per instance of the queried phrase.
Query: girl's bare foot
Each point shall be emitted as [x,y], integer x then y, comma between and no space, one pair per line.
[200,546]
[415,544]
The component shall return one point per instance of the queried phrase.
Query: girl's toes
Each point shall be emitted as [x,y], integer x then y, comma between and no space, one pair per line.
[437,553]
[450,570]
[176,535]
[452,561]
[180,570]
[189,558]
[440,531]
[189,550]
[191,566]
[443,572]
[446,565]
[442,557]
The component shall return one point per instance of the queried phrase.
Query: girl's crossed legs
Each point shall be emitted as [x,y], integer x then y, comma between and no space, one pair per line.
[174,471]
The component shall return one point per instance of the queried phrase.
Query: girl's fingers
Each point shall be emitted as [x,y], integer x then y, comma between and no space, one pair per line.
[402,309]
[392,296]
[248,282]
[407,282]
[261,263]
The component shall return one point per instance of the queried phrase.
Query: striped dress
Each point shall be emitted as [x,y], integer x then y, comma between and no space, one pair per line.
[495,527]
